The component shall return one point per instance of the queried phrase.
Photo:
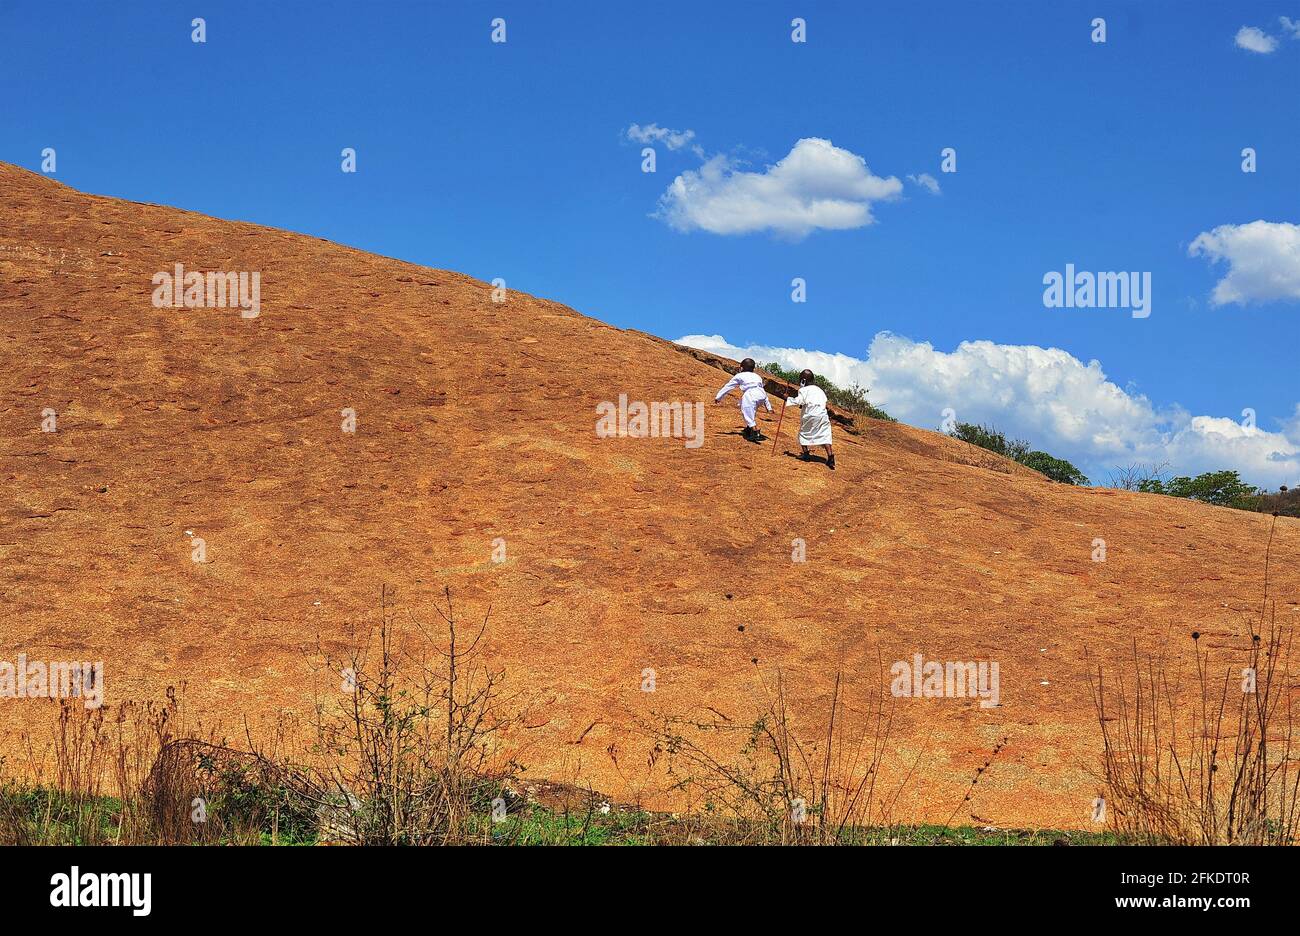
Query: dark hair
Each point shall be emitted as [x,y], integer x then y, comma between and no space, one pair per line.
[747,364]
[805,377]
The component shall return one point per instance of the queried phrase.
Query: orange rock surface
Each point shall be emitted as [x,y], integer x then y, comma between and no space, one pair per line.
[476,421]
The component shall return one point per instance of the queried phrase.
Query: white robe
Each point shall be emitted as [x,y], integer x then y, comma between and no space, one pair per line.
[815,422]
[752,393]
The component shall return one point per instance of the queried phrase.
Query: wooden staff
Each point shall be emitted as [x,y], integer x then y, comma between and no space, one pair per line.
[777,435]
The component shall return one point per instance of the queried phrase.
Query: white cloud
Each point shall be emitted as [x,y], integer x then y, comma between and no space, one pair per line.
[1290,25]
[1254,39]
[926,181]
[1045,395]
[816,186]
[1292,426]
[1263,261]
[653,133]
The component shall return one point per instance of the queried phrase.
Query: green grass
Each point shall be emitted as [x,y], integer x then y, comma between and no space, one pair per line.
[49,817]
[539,826]
[973,835]
[44,816]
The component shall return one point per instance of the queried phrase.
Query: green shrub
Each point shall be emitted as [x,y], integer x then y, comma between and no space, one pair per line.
[853,400]
[1058,469]
[987,437]
[1221,488]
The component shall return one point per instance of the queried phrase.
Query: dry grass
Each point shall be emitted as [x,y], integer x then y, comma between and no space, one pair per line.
[414,756]
[407,747]
[1204,758]
[403,752]
[778,787]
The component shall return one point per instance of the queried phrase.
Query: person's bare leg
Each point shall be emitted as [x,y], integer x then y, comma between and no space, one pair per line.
[830,457]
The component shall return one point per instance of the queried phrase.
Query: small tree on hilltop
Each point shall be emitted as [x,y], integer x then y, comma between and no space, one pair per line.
[1221,488]
[1058,469]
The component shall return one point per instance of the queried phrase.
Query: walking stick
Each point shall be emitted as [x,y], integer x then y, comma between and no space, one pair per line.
[777,434]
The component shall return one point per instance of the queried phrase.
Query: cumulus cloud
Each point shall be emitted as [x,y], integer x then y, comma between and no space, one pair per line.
[1254,39]
[1263,260]
[1048,396]
[817,185]
[926,181]
[1292,429]
[1290,25]
[653,133]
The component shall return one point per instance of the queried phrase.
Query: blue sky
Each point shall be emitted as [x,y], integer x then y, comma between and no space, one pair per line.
[513,160]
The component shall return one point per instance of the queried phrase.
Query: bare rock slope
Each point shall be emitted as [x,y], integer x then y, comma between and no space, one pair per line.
[476,423]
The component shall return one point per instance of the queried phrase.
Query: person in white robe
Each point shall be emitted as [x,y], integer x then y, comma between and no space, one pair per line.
[815,421]
[751,395]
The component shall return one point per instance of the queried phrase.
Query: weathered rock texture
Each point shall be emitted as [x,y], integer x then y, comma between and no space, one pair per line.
[476,421]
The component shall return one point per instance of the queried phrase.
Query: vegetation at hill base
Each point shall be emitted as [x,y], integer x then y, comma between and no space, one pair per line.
[414,756]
